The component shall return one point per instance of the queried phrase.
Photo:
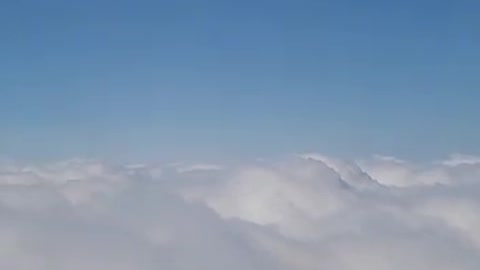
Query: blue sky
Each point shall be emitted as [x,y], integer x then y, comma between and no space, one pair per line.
[192,78]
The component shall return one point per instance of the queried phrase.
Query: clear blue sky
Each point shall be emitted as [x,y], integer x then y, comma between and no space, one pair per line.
[191,78]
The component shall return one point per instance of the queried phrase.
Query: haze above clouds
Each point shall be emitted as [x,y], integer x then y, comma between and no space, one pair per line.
[303,212]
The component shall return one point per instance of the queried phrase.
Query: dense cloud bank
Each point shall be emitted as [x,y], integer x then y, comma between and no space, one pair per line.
[304,212]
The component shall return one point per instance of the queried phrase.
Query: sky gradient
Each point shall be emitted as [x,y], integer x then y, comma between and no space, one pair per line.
[187,79]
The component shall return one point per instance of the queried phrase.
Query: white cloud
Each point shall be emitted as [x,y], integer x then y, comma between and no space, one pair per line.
[306,212]
[201,167]
[459,159]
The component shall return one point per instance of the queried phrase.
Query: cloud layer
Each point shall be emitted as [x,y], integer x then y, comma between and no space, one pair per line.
[304,212]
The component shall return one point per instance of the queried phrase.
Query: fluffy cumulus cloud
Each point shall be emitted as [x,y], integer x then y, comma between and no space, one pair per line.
[303,212]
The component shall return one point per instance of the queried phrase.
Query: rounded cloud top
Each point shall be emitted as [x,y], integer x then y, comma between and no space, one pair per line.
[306,212]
